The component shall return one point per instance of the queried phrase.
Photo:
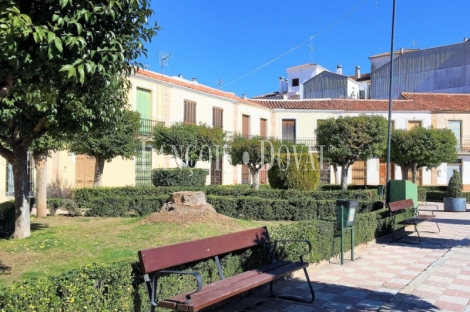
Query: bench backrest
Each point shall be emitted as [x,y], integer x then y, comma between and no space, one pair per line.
[160,258]
[400,205]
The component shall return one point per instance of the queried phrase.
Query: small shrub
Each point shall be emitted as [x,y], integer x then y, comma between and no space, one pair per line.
[7,217]
[59,188]
[454,188]
[53,204]
[297,172]
[179,177]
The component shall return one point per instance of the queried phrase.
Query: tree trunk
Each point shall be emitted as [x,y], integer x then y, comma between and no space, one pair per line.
[255,178]
[22,209]
[40,163]
[344,178]
[404,172]
[335,172]
[99,168]
[414,168]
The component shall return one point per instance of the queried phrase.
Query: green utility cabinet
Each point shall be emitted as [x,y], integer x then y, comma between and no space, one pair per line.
[345,217]
[402,189]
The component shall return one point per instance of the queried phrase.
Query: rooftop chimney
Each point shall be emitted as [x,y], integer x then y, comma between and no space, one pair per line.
[465,39]
[339,70]
[358,72]
[194,81]
[244,96]
[281,84]
[180,76]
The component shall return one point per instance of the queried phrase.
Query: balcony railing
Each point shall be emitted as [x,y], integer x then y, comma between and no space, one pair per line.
[464,145]
[146,126]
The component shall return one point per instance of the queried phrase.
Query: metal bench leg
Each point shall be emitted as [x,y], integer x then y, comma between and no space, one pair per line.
[274,295]
[417,232]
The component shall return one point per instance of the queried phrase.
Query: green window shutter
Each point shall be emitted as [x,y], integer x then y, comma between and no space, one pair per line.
[144,103]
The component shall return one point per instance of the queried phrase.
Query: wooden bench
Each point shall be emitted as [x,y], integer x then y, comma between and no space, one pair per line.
[400,206]
[155,263]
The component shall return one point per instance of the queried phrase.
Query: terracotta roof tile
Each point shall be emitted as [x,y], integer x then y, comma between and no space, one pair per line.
[409,102]
[440,101]
[342,104]
[196,87]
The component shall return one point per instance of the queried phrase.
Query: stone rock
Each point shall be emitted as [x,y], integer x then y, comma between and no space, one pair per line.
[188,202]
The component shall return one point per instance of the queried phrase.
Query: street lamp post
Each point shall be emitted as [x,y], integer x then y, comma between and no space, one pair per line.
[390,102]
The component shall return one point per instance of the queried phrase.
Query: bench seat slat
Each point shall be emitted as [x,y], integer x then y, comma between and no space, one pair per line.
[229,287]
[171,303]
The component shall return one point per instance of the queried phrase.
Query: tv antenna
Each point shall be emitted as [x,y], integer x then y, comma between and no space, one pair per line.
[414,43]
[220,83]
[163,58]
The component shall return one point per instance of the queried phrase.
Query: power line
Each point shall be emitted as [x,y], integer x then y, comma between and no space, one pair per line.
[299,45]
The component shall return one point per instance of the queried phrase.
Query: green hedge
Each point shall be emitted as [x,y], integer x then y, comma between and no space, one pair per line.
[119,286]
[120,206]
[295,209]
[179,177]
[242,207]
[7,215]
[83,195]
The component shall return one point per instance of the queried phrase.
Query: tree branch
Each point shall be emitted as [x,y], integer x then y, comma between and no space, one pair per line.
[6,153]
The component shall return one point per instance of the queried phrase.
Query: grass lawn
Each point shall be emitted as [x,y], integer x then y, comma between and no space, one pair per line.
[60,243]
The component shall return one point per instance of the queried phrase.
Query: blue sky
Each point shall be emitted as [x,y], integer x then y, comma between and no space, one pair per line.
[225,40]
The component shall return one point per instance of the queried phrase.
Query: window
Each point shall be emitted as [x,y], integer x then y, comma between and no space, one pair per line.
[263,124]
[245,126]
[143,166]
[217,117]
[144,107]
[10,182]
[456,127]
[10,186]
[362,94]
[413,123]
[288,130]
[190,112]
[325,173]
[295,82]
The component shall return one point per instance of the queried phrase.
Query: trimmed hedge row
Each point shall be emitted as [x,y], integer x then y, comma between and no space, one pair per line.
[119,286]
[244,207]
[82,196]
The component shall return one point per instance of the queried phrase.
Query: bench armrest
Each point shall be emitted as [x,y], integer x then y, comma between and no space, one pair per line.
[157,275]
[432,210]
[275,242]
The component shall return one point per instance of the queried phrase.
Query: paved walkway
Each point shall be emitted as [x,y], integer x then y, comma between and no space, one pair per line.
[431,276]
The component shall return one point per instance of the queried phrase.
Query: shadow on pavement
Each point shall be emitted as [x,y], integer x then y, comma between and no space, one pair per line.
[328,297]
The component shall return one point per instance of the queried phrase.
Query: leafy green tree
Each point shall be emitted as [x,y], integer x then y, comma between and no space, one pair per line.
[109,140]
[189,142]
[296,171]
[346,139]
[55,56]
[255,152]
[422,147]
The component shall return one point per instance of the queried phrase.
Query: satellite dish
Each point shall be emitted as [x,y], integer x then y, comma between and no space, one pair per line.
[163,59]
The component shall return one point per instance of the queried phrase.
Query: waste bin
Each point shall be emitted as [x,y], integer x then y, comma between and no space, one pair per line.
[346,209]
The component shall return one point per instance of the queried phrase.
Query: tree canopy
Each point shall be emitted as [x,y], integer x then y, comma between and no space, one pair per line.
[109,140]
[347,139]
[254,152]
[189,142]
[422,147]
[55,56]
